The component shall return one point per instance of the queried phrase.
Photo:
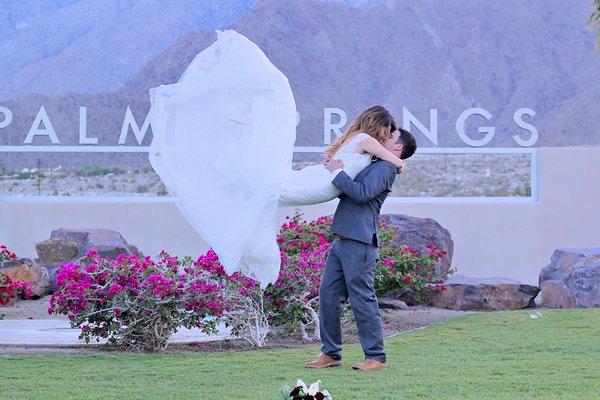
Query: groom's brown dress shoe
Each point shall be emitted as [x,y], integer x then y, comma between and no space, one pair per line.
[323,361]
[370,365]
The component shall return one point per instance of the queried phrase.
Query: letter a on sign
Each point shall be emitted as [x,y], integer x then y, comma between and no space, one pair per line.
[48,130]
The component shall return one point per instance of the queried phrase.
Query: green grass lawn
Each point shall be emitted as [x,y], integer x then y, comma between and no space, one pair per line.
[504,355]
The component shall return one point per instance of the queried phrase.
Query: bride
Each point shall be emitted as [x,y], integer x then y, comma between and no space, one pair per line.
[223,141]
[355,148]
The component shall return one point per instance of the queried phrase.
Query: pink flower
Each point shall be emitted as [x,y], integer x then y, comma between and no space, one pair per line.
[22,287]
[91,253]
[412,250]
[159,285]
[68,272]
[90,269]
[387,262]
[115,289]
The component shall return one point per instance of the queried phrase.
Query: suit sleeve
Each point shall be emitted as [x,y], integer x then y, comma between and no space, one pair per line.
[378,179]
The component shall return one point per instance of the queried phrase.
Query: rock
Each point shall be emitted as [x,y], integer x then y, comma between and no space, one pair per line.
[463,293]
[419,232]
[556,294]
[572,279]
[394,304]
[108,242]
[24,269]
[57,250]
[71,245]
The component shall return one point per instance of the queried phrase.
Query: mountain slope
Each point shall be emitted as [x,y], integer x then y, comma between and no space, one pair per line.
[91,46]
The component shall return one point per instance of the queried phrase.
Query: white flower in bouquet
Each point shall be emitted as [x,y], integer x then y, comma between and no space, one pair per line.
[314,388]
[301,384]
[301,391]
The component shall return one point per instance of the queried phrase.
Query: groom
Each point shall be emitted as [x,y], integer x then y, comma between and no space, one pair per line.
[350,267]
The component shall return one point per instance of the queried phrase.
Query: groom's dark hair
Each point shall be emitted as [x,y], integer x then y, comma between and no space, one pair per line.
[409,144]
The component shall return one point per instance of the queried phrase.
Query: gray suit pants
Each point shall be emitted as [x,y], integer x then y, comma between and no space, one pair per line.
[350,273]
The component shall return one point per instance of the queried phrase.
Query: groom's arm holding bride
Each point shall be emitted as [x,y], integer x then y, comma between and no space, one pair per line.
[380,177]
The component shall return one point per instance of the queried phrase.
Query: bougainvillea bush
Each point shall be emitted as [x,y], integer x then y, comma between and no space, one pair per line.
[136,301]
[407,270]
[293,299]
[6,254]
[10,289]
[139,302]
[243,300]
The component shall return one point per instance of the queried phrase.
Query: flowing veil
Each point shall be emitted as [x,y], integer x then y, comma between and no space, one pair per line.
[223,139]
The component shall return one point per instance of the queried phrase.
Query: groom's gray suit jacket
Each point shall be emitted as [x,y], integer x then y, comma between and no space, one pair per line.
[357,214]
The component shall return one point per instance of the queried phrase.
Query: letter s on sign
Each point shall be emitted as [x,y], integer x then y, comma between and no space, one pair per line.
[528,127]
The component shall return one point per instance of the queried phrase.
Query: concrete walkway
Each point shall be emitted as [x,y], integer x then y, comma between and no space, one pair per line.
[52,332]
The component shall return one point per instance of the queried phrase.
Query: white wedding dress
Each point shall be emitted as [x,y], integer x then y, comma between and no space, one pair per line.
[312,184]
[223,139]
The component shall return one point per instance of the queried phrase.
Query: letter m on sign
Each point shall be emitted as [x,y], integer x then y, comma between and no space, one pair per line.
[128,122]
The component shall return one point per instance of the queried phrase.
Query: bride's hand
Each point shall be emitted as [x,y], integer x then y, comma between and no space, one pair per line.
[401,166]
[332,165]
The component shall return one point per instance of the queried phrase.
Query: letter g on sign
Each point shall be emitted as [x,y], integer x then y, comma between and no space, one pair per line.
[488,130]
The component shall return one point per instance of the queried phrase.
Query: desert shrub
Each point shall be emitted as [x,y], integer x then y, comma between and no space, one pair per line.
[24,175]
[96,170]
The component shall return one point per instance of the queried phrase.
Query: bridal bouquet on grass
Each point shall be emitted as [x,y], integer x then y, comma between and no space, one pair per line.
[301,392]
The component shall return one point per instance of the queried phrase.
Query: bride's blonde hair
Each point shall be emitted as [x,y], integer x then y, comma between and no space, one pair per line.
[370,122]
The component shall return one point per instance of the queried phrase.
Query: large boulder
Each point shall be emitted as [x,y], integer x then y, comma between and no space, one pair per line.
[572,279]
[71,245]
[556,294]
[419,232]
[57,250]
[24,269]
[463,293]
[108,242]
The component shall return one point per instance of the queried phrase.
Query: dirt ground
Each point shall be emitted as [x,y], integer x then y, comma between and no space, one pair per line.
[394,322]
[28,309]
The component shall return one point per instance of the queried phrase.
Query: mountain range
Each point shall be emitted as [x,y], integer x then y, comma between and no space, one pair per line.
[417,54]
